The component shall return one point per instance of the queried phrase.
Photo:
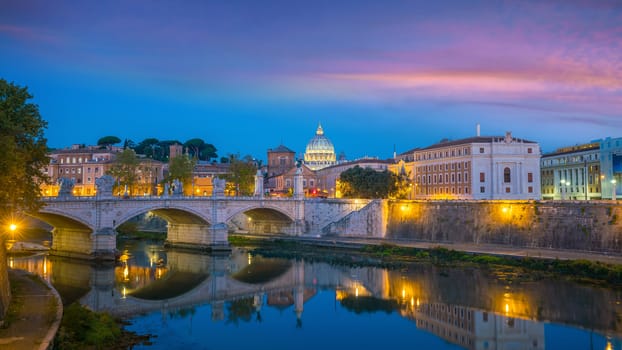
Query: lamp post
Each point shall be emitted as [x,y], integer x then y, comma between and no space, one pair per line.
[613,189]
[561,189]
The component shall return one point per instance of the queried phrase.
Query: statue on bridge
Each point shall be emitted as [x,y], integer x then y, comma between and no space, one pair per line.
[104,186]
[66,187]
[178,188]
[219,187]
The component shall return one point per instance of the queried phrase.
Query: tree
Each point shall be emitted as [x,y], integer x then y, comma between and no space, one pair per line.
[200,150]
[149,147]
[181,168]
[125,170]
[107,141]
[241,175]
[23,151]
[360,182]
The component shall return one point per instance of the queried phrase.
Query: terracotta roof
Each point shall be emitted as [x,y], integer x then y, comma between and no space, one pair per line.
[281,149]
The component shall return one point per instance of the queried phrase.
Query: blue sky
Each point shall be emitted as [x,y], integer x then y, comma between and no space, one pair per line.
[249,75]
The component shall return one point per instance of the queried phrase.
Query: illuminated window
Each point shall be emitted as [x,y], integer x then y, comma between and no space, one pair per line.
[530,189]
[529,177]
[482,177]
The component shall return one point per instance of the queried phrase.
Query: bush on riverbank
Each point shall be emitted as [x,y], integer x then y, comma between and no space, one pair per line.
[82,328]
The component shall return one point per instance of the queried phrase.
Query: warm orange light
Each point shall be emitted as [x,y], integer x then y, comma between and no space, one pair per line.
[12,227]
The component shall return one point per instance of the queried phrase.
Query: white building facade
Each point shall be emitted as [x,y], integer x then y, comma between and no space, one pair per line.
[500,167]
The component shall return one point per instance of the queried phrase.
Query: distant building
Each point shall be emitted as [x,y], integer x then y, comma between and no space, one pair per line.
[203,177]
[583,172]
[497,167]
[280,160]
[320,152]
[83,164]
[572,173]
[611,166]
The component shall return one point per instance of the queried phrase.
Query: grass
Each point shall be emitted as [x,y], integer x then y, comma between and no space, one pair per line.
[82,328]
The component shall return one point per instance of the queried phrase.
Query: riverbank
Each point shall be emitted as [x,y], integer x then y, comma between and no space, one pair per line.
[585,267]
[34,314]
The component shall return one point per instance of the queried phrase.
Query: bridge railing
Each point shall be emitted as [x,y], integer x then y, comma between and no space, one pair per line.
[149,198]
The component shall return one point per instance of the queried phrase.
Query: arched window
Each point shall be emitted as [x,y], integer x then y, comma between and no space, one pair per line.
[506,175]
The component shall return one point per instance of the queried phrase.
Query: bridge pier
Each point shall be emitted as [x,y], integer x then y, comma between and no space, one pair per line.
[198,236]
[82,244]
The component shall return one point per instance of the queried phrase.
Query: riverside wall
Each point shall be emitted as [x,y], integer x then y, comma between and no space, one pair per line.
[578,225]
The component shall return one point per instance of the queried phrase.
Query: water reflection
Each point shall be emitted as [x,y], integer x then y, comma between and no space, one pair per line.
[466,307]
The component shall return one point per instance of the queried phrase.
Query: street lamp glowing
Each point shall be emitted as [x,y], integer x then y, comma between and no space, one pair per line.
[12,227]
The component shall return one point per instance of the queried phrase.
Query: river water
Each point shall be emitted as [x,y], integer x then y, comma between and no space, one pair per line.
[244,301]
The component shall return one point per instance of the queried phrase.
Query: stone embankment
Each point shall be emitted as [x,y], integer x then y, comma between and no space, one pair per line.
[593,226]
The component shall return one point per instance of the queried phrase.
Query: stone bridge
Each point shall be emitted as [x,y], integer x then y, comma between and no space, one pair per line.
[85,227]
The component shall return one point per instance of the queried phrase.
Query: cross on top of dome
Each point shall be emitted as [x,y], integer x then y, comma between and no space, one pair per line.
[319,130]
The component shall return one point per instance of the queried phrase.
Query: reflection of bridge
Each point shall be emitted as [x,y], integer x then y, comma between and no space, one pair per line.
[222,280]
[466,307]
[85,226]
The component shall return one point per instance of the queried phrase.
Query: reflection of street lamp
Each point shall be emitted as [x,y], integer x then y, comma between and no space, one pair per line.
[613,189]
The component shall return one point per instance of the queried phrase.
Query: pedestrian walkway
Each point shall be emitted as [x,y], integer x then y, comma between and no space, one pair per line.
[36,313]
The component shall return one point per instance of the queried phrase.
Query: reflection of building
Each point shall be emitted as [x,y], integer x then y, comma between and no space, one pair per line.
[572,173]
[320,152]
[501,167]
[84,164]
[475,329]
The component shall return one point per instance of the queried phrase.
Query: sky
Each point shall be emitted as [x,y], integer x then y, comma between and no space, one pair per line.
[246,76]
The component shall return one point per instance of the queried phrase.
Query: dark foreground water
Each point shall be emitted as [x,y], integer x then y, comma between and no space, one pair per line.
[241,301]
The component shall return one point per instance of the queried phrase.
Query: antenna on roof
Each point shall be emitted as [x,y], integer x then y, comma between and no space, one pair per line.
[477,129]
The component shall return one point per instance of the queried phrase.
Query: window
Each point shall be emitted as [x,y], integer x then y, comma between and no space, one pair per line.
[507,190]
[481,150]
[530,189]
[482,177]
[506,175]
[529,150]
[466,190]
[311,183]
[529,177]
[482,189]
[466,177]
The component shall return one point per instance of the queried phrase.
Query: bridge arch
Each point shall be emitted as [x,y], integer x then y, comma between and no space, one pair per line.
[261,219]
[62,220]
[173,214]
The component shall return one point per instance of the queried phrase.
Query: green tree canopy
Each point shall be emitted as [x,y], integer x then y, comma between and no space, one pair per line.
[181,168]
[108,140]
[360,182]
[23,150]
[125,169]
[242,175]
[200,150]
[150,147]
